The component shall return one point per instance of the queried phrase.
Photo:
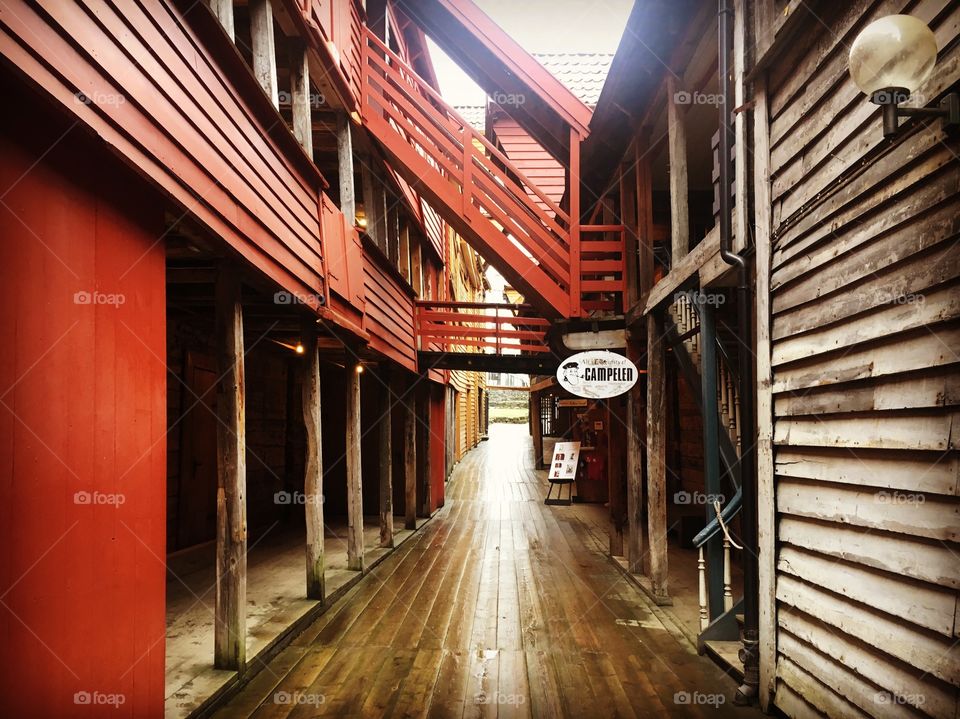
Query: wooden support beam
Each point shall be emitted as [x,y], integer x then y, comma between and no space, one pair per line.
[677,142]
[223,11]
[354,482]
[628,218]
[711,452]
[644,215]
[635,446]
[416,270]
[617,480]
[230,628]
[537,429]
[410,461]
[373,206]
[404,257]
[424,499]
[264,49]
[657,456]
[348,193]
[385,432]
[313,468]
[300,106]
[742,152]
[573,192]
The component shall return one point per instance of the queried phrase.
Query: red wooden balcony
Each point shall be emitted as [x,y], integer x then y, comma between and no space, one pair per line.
[481,327]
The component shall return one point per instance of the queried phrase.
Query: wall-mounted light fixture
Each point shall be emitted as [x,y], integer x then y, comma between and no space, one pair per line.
[889,60]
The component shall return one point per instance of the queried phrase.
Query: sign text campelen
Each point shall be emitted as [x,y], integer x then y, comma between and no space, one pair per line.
[597,374]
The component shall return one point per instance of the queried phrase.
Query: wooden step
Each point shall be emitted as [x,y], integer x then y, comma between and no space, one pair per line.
[726,656]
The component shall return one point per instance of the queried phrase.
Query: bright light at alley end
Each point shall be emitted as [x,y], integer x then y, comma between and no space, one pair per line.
[597,374]
[889,60]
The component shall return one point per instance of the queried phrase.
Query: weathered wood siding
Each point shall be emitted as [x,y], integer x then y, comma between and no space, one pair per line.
[166,91]
[865,336]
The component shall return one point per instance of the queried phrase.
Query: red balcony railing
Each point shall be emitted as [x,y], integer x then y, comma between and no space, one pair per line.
[483,327]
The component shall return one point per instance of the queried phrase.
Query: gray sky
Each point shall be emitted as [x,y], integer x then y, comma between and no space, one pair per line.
[540,26]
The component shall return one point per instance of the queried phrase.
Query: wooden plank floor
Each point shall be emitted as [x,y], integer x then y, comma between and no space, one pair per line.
[497,608]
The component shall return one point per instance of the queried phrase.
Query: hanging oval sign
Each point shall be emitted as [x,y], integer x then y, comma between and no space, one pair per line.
[597,374]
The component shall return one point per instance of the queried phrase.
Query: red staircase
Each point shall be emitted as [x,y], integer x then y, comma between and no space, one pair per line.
[452,165]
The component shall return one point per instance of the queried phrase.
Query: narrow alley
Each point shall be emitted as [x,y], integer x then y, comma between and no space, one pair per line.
[500,606]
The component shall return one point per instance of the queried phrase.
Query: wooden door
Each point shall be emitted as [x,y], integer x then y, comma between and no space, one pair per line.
[197,495]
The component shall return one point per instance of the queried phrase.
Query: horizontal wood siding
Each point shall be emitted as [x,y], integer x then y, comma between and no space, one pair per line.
[169,94]
[538,165]
[865,303]
[389,310]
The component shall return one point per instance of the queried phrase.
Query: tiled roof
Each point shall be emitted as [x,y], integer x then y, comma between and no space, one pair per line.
[474,114]
[582,72]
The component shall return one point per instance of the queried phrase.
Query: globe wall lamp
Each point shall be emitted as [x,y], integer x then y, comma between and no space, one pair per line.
[889,60]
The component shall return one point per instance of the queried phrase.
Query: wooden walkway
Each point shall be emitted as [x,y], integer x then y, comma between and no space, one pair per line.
[497,607]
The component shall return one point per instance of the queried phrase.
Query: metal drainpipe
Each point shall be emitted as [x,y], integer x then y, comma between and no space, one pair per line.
[749,654]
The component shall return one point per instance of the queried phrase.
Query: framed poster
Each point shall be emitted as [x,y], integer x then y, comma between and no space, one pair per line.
[566,459]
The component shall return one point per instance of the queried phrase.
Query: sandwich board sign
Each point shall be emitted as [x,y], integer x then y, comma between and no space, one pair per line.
[597,374]
[566,456]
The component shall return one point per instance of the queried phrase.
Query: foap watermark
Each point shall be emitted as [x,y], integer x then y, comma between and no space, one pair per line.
[699,699]
[99,498]
[298,497]
[297,298]
[684,97]
[504,99]
[699,297]
[99,699]
[314,99]
[915,700]
[99,98]
[901,498]
[113,299]
[307,698]
[683,497]
[499,698]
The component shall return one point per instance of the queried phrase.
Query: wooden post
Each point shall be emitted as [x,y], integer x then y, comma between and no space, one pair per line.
[537,427]
[766,495]
[711,452]
[348,195]
[644,216]
[635,436]
[223,11]
[313,469]
[425,502]
[230,629]
[300,107]
[354,485]
[615,474]
[373,207]
[416,274]
[404,255]
[385,427]
[677,142]
[263,48]
[574,195]
[656,456]
[410,462]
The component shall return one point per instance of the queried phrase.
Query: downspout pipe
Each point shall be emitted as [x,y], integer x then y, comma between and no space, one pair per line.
[749,654]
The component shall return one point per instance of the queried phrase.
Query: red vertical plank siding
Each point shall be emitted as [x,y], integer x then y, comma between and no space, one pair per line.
[437,444]
[83,391]
[538,165]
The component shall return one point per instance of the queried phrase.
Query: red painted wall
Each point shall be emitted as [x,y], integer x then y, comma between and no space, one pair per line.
[82,424]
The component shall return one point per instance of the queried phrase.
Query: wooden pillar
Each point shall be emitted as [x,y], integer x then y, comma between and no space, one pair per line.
[230,628]
[615,473]
[263,48]
[574,195]
[537,427]
[416,273]
[410,461]
[711,452]
[635,449]
[644,215]
[300,106]
[404,258]
[677,143]
[385,431]
[354,484]
[223,11]
[313,468]
[424,499]
[348,193]
[656,456]
[373,207]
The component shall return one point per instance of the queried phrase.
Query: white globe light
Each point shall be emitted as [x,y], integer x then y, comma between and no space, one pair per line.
[897,51]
